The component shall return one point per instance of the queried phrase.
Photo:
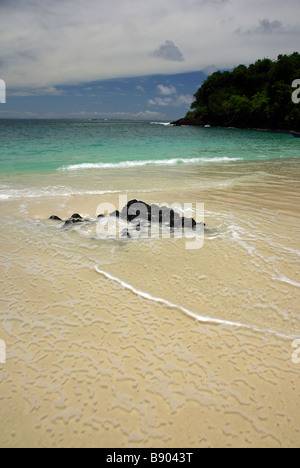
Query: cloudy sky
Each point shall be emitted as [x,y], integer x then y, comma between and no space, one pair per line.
[130,58]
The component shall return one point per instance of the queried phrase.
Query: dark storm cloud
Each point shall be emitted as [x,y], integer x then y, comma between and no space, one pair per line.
[50,44]
[168,51]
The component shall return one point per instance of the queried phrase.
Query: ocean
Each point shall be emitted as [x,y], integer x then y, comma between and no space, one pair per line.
[124,342]
[33,146]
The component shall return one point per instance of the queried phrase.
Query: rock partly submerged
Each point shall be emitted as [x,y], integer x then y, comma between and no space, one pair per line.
[136,211]
[139,215]
[74,219]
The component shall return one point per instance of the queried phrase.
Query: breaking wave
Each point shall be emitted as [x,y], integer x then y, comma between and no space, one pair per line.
[158,162]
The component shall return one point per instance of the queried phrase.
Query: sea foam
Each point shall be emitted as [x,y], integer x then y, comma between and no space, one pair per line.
[188,312]
[49,192]
[140,163]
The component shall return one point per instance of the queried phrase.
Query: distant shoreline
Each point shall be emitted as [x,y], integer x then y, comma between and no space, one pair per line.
[199,123]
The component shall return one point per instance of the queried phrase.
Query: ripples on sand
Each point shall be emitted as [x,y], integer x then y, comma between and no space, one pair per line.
[110,358]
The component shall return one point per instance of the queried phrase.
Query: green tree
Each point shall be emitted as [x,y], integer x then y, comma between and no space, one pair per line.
[255,96]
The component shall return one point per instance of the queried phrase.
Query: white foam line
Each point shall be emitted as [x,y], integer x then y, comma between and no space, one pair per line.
[28,193]
[167,124]
[284,279]
[152,162]
[194,315]
[44,193]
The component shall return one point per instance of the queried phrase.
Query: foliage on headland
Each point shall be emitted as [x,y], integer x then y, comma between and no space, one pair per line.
[257,96]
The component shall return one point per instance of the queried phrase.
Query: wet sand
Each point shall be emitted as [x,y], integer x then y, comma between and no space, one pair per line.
[92,362]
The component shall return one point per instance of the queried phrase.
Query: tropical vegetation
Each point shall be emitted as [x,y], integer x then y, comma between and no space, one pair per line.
[257,96]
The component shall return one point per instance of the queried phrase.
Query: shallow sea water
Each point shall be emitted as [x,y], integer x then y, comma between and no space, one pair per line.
[141,342]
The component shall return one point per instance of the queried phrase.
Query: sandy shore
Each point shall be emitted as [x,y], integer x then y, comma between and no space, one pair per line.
[124,372]
[91,363]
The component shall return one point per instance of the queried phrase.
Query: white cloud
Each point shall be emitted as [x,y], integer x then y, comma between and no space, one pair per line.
[184,100]
[18,114]
[49,90]
[146,114]
[171,97]
[166,90]
[162,102]
[47,44]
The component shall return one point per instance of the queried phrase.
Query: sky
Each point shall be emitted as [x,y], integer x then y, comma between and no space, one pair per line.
[130,59]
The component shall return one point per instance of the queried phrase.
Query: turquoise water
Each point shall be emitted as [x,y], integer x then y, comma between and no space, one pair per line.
[32,146]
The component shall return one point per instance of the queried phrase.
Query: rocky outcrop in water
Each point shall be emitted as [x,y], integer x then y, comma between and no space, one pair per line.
[189,122]
[136,211]
[74,219]
[139,216]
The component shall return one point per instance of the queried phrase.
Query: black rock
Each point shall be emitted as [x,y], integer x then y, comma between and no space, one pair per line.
[69,222]
[136,210]
[75,219]
[188,223]
[197,121]
[125,234]
[115,214]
